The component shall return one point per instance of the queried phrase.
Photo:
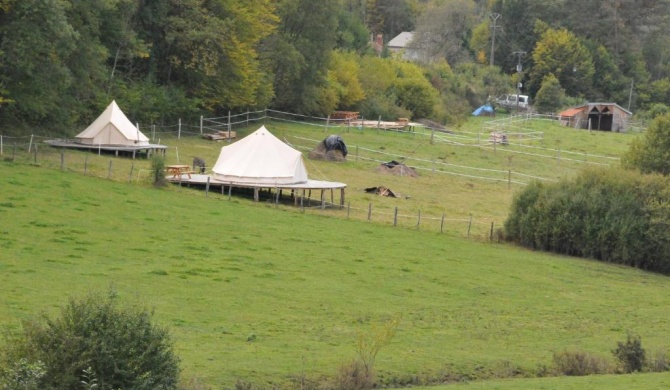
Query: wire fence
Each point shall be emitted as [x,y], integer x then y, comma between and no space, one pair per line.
[33,150]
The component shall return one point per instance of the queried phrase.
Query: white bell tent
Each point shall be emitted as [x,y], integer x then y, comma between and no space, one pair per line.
[112,127]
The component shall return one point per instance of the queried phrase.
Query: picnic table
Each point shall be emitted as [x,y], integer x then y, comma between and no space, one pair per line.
[178,170]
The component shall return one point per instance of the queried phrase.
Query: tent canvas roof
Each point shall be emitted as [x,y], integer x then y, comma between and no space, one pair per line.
[112,127]
[260,158]
[486,109]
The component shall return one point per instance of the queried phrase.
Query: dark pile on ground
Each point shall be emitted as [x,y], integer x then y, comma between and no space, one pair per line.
[398,169]
[321,153]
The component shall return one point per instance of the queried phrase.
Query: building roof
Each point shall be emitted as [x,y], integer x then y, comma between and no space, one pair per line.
[401,40]
[570,112]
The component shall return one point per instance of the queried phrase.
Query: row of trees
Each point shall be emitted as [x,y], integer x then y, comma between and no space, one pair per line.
[61,61]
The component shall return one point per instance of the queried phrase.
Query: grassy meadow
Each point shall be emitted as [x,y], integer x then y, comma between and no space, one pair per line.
[268,294]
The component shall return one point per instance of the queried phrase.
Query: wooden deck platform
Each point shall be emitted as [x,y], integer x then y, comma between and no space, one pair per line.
[300,190]
[116,149]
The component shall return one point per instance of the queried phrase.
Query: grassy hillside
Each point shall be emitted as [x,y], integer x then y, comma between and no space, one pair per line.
[265,294]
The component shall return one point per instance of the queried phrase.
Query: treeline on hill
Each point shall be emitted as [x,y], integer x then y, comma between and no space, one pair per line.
[617,215]
[62,61]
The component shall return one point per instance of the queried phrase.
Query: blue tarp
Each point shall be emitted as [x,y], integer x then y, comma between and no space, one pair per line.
[485,110]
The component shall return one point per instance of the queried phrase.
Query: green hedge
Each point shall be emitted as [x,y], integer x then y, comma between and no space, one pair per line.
[612,215]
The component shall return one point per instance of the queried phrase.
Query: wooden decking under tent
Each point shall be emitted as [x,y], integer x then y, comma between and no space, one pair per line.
[300,193]
[147,150]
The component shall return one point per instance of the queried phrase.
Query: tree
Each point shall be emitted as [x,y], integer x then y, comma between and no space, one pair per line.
[652,152]
[444,32]
[550,96]
[299,53]
[559,52]
[36,40]
[117,345]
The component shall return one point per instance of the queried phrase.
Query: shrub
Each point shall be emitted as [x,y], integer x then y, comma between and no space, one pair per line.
[579,363]
[658,362]
[158,171]
[631,354]
[96,338]
[354,376]
[608,214]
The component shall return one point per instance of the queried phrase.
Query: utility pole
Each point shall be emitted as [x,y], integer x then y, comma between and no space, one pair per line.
[519,68]
[495,17]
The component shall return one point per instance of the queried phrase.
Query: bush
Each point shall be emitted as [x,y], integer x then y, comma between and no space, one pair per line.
[607,214]
[97,340]
[354,376]
[158,171]
[579,363]
[630,354]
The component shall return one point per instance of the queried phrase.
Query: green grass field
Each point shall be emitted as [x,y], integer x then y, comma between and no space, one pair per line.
[266,294]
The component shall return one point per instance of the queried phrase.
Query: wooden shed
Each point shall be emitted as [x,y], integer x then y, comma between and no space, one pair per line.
[597,116]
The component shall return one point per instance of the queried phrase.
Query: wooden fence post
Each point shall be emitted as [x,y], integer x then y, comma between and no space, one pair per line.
[418,222]
[369,211]
[201,124]
[469,225]
[30,145]
[109,172]
[1,146]
[130,176]
[491,234]
[395,217]
[230,191]
[178,131]
[327,124]
[442,224]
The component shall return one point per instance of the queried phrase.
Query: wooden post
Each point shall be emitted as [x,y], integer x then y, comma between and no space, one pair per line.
[369,211]
[418,222]
[207,187]
[395,217]
[223,189]
[469,225]
[230,190]
[255,194]
[491,234]
[277,197]
[109,171]
[442,224]
[130,176]
[327,124]
[85,164]
[379,121]
[341,198]
[228,125]
[30,145]
[323,200]
[201,124]
[1,146]
[134,154]
[332,197]
[178,131]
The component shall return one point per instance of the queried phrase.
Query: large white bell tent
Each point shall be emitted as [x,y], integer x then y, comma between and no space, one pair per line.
[260,159]
[112,127]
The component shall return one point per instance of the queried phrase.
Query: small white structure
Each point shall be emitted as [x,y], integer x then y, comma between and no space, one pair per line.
[260,159]
[401,44]
[113,128]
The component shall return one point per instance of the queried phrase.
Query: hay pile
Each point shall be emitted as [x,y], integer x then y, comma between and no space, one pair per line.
[321,153]
[394,168]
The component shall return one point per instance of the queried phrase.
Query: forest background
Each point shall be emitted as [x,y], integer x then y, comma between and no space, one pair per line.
[63,61]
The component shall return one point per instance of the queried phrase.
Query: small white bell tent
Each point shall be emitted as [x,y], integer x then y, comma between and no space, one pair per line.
[112,128]
[260,159]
